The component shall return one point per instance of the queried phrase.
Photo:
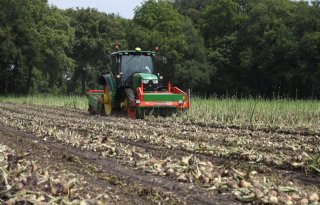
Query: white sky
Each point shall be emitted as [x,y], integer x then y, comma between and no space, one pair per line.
[125,8]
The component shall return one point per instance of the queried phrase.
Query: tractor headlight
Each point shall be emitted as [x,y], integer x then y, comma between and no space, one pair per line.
[180,102]
[145,81]
[155,81]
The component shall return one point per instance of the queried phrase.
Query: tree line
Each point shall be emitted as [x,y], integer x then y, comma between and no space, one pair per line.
[266,48]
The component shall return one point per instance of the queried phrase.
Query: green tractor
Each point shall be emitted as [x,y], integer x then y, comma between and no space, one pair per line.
[134,89]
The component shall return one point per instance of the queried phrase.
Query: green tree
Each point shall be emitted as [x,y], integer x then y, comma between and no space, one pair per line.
[224,21]
[57,43]
[256,46]
[96,34]
[306,28]
[273,45]
[157,23]
[24,41]
[193,9]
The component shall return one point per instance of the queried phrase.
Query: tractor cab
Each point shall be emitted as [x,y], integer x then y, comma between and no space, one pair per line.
[131,68]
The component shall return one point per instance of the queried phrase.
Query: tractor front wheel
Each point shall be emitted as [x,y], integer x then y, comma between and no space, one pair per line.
[127,103]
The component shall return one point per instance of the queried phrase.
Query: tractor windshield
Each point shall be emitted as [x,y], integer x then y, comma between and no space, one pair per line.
[136,64]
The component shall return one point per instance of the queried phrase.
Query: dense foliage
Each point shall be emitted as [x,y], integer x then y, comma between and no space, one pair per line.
[268,48]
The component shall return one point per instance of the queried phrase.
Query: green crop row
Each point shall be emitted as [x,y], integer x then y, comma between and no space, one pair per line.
[77,102]
[301,115]
[259,113]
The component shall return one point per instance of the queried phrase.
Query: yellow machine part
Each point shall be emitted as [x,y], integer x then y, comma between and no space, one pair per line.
[124,105]
[106,101]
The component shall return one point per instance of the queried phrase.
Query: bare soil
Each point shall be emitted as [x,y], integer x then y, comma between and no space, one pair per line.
[106,151]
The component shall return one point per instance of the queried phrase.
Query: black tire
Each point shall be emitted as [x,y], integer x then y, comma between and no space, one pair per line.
[182,112]
[128,95]
[102,112]
[91,110]
[141,114]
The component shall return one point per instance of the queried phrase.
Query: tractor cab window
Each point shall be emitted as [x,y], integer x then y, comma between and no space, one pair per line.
[136,64]
[114,64]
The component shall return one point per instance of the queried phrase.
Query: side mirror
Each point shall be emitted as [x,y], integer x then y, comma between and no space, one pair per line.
[164,60]
[108,58]
[161,59]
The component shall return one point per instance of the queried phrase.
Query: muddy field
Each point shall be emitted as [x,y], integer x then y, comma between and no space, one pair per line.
[66,156]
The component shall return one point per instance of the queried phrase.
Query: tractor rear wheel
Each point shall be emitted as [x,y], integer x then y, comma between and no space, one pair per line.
[127,103]
[91,110]
[106,102]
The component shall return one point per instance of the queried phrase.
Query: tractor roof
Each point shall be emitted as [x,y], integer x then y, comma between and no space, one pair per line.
[133,52]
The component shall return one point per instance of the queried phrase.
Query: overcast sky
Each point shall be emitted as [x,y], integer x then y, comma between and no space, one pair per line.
[122,7]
